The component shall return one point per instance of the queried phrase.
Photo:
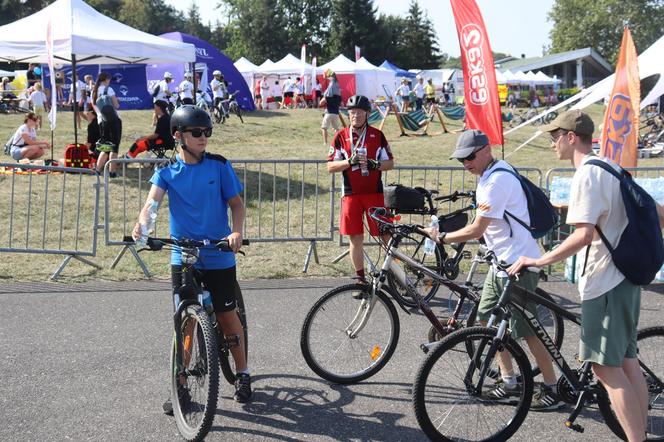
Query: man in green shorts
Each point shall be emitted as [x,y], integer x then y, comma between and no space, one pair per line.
[498,192]
[610,303]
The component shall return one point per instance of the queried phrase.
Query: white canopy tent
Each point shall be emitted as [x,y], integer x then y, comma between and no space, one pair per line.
[84,36]
[81,35]
[373,81]
[289,65]
[248,70]
[265,66]
[650,63]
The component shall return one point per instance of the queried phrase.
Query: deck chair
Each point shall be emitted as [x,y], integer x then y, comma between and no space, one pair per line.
[418,121]
[454,113]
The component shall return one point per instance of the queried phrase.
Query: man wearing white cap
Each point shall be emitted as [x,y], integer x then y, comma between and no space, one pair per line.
[186,89]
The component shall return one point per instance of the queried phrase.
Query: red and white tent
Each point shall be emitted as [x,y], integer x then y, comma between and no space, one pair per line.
[361,78]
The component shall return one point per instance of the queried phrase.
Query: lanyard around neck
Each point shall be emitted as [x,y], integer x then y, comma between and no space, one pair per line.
[360,139]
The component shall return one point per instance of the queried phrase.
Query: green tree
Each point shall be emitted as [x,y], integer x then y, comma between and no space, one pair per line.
[193,24]
[13,10]
[599,24]
[353,23]
[390,31]
[419,48]
[256,29]
[309,23]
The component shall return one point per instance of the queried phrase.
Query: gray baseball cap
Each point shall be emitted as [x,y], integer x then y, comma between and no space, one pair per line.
[470,141]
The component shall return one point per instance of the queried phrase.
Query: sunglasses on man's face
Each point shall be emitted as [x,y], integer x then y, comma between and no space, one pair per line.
[197,132]
[472,156]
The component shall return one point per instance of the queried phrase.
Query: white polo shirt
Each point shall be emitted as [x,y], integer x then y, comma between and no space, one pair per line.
[496,193]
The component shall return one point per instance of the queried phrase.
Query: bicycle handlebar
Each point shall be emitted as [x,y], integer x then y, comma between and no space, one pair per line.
[156,244]
[455,196]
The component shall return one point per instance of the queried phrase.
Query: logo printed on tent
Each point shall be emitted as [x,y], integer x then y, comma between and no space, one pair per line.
[124,90]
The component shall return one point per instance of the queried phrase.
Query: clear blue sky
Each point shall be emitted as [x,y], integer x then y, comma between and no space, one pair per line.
[514,26]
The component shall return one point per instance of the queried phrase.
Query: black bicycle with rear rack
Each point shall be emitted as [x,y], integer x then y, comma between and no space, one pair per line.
[199,347]
[352,331]
[226,108]
[450,392]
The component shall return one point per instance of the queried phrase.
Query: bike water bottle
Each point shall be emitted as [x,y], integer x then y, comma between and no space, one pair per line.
[149,225]
[429,244]
[206,301]
[364,169]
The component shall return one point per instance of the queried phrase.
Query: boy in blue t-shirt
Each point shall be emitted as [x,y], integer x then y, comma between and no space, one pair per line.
[201,187]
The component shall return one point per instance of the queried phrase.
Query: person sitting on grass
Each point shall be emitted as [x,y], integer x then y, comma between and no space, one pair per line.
[25,144]
[161,140]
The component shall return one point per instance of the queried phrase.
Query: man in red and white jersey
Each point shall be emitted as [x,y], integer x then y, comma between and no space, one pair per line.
[361,153]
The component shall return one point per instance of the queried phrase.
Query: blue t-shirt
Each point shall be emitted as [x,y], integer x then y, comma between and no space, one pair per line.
[198,197]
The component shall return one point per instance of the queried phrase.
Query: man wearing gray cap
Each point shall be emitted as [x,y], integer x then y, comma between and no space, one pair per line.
[607,297]
[500,193]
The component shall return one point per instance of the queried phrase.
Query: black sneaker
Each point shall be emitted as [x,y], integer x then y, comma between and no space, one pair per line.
[502,393]
[184,397]
[242,388]
[545,399]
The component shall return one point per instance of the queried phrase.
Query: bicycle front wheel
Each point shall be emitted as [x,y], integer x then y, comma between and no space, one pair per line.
[226,361]
[194,375]
[451,394]
[349,334]
[650,344]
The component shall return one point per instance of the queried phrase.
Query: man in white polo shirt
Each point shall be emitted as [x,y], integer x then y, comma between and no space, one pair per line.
[499,192]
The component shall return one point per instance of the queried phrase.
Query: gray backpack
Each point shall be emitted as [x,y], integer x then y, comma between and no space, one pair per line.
[9,144]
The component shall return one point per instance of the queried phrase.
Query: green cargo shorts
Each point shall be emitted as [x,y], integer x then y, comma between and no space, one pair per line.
[493,288]
[608,325]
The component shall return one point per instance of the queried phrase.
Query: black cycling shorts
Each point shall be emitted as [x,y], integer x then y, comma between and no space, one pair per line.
[221,283]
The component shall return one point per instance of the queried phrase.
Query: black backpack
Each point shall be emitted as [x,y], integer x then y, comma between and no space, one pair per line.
[543,216]
[640,251]
[107,111]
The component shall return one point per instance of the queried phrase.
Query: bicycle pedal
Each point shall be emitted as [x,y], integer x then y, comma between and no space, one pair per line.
[576,427]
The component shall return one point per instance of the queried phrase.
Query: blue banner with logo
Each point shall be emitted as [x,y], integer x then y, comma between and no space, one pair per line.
[129,83]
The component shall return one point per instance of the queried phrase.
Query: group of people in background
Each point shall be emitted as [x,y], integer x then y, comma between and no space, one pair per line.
[289,95]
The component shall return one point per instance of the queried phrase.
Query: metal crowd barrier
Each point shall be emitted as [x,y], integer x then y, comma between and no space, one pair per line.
[49,210]
[285,200]
[445,180]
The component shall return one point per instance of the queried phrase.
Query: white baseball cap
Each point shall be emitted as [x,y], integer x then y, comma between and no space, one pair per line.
[217,72]
[187,75]
[168,75]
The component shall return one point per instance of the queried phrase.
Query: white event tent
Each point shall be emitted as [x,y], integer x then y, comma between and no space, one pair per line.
[361,78]
[81,35]
[248,70]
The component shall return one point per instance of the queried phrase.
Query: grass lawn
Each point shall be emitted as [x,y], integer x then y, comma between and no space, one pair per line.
[293,134]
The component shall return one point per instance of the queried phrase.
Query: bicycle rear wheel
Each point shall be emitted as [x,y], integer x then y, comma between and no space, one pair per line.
[194,375]
[226,361]
[650,343]
[333,344]
[426,286]
[238,112]
[450,394]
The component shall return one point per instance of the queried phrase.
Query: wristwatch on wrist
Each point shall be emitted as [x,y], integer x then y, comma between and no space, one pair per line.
[349,162]
[441,237]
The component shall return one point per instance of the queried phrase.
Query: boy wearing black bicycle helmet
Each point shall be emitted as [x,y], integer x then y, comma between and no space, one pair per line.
[201,187]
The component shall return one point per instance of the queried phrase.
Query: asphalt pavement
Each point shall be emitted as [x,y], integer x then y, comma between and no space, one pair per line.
[90,362]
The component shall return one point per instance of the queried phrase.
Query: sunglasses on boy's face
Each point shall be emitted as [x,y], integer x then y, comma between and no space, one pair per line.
[196,133]
[472,156]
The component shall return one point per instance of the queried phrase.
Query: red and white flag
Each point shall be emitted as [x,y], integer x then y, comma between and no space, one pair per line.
[620,134]
[357,53]
[52,118]
[479,76]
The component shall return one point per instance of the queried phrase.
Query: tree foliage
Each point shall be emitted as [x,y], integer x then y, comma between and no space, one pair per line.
[599,24]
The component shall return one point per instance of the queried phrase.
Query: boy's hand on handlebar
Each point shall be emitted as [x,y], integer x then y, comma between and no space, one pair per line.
[235,241]
[432,232]
[522,263]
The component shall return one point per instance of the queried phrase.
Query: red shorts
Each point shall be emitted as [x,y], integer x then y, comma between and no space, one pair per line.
[352,209]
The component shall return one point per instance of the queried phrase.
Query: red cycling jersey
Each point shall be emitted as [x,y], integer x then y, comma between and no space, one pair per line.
[377,148]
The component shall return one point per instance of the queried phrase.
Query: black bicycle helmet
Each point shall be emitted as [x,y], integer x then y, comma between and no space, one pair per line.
[189,116]
[359,102]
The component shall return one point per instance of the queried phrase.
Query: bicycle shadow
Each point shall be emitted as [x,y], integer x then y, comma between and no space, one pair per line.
[288,408]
